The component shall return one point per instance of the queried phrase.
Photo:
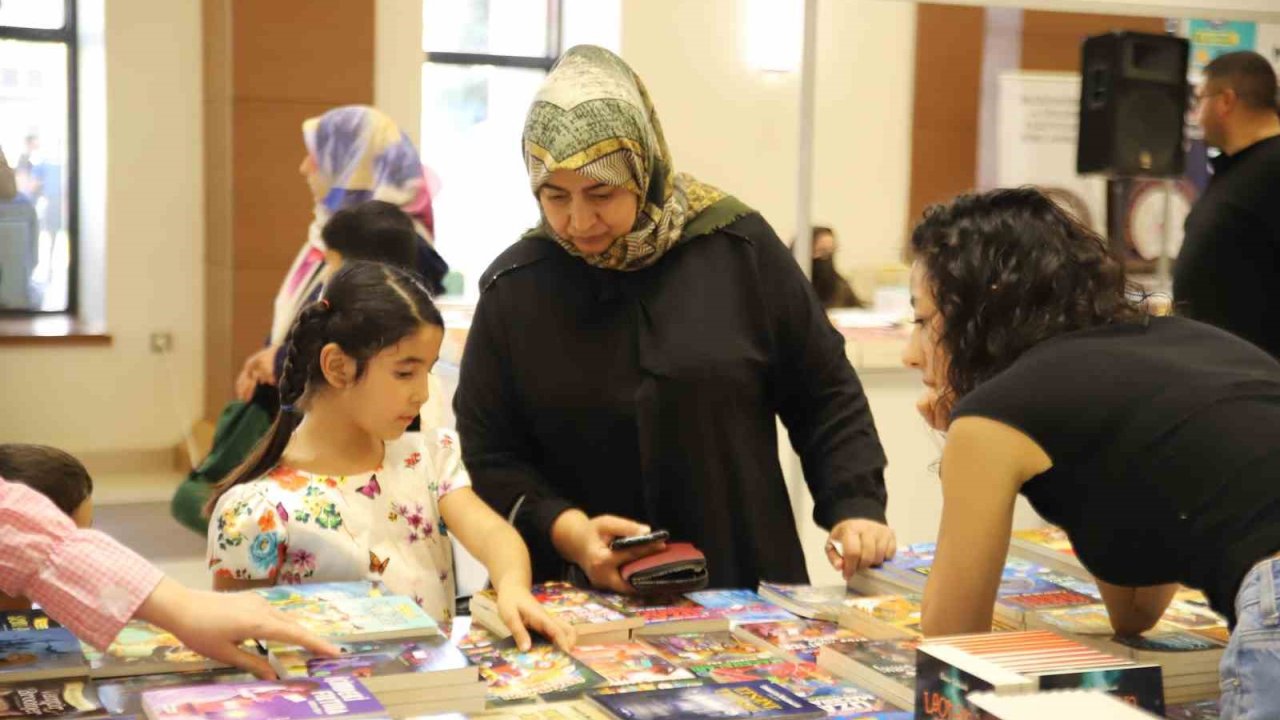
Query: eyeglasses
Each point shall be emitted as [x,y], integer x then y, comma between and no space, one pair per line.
[1197,97]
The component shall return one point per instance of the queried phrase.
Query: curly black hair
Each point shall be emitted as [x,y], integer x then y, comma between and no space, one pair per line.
[1009,269]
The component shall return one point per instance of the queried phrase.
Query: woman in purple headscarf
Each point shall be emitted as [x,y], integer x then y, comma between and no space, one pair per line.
[354,153]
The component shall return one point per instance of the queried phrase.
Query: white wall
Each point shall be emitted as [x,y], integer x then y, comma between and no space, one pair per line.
[736,127]
[397,63]
[121,397]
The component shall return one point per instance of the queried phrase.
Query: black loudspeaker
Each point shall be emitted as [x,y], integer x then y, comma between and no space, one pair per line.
[1132,104]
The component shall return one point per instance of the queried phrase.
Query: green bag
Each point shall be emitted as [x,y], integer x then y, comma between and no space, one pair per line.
[240,426]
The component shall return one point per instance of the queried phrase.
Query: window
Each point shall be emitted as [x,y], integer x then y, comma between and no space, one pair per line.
[38,136]
[483,62]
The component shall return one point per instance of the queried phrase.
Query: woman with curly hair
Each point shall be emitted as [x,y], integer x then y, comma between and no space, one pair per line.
[1154,442]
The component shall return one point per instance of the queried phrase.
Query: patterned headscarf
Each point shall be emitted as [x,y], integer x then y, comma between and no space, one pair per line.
[362,155]
[593,116]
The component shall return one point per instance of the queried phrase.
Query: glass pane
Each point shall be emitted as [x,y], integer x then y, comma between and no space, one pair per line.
[35,250]
[496,27]
[472,117]
[41,14]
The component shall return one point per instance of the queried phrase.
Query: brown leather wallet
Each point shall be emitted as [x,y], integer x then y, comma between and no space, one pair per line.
[680,568]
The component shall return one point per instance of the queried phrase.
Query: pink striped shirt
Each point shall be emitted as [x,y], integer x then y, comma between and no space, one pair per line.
[82,578]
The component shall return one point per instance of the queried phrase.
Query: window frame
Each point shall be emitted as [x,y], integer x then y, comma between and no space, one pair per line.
[67,37]
[537,62]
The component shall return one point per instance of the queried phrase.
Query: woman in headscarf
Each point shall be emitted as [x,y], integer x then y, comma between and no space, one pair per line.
[629,355]
[354,153]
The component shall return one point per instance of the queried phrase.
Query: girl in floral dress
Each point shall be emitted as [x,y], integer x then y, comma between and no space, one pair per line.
[337,490]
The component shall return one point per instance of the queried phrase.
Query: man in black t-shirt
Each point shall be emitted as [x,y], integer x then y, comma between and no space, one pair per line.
[1228,270]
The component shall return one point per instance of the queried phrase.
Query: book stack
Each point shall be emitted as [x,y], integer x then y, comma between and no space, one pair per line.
[1025,587]
[1048,546]
[739,606]
[514,676]
[751,700]
[700,653]
[796,640]
[667,615]
[563,710]
[630,663]
[362,619]
[144,649]
[815,603]
[343,698]
[885,667]
[123,695]
[1056,705]
[409,677]
[805,680]
[590,613]
[948,668]
[65,698]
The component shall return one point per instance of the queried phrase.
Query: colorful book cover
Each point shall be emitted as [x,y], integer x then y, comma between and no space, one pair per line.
[895,660]
[377,658]
[801,639]
[901,611]
[1049,538]
[293,699]
[629,663]
[574,605]
[1190,616]
[662,609]
[1080,620]
[645,686]
[49,698]
[287,595]
[40,654]
[363,617]
[1170,642]
[942,689]
[817,602]
[737,700]
[13,620]
[807,681]
[701,653]
[143,649]
[1142,685]
[740,606]
[1075,584]
[123,696]
[543,671]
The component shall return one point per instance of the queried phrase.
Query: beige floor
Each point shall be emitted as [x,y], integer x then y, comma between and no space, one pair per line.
[135,510]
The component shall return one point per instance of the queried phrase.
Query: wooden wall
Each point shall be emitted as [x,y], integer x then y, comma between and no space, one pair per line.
[268,67]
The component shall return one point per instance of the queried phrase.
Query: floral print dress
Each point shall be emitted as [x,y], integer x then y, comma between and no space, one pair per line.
[298,527]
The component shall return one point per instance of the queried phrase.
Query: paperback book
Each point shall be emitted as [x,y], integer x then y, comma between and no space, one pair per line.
[886,667]
[590,614]
[27,655]
[49,699]
[542,671]
[797,640]
[291,699]
[814,602]
[629,663]
[735,700]
[739,606]
[385,665]
[806,680]
[700,653]
[144,649]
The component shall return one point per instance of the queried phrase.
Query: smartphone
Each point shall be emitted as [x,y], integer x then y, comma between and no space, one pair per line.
[623,543]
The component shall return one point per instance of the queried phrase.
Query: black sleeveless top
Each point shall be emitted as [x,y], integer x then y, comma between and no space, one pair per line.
[1165,442]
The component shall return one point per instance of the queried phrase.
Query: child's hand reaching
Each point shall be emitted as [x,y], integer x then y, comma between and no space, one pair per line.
[521,613]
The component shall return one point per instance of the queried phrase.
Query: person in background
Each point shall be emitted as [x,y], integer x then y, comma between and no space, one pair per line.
[832,289]
[630,356]
[354,153]
[372,231]
[93,585]
[8,183]
[1154,442]
[1228,269]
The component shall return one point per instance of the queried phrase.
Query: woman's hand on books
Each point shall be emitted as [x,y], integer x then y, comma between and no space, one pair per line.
[216,625]
[858,543]
[585,542]
[521,613]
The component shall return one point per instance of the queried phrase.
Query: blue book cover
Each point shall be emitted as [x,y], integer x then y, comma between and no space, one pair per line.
[740,606]
[27,655]
[758,699]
